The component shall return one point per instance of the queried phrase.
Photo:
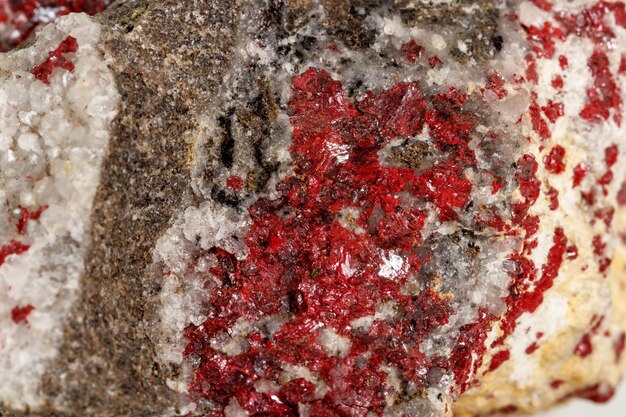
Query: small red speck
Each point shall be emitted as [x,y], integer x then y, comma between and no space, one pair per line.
[435,61]
[598,245]
[606,178]
[532,348]
[622,65]
[563,62]
[600,393]
[412,51]
[598,323]
[610,155]
[235,182]
[598,249]
[509,409]
[571,252]
[12,248]
[580,171]
[620,343]
[606,215]
[604,263]
[605,93]
[553,197]
[589,197]
[542,39]
[26,216]
[496,183]
[556,384]
[333,47]
[20,314]
[539,124]
[543,5]
[512,16]
[21,223]
[531,70]
[584,348]
[56,59]
[553,110]
[529,185]
[495,83]
[621,195]
[498,359]
[555,160]
[557,82]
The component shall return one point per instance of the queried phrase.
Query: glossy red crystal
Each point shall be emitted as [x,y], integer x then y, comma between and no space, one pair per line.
[28,215]
[555,160]
[12,248]
[321,275]
[584,347]
[20,314]
[495,83]
[412,51]
[235,182]
[580,171]
[605,94]
[56,59]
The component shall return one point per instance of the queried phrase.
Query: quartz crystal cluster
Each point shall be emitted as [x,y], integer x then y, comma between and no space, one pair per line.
[311,208]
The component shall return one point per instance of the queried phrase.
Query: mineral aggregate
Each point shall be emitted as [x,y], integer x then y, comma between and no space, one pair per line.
[311,207]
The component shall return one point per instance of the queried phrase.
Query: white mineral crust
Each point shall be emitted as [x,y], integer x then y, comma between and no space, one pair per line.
[53,139]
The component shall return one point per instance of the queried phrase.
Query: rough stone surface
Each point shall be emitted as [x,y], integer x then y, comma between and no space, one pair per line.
[315,208]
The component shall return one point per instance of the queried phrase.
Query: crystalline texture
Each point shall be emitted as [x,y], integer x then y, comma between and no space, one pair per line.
[325,207]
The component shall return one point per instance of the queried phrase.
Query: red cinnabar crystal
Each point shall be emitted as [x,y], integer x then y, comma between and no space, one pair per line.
[56,59]
[12,248]
[555,160]
[20,314]
[304,264]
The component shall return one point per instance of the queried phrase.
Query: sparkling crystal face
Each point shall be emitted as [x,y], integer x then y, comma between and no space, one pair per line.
[326,276]
[347,274]
[401,246]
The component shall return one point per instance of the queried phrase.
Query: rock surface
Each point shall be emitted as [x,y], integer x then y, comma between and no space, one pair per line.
[311,207]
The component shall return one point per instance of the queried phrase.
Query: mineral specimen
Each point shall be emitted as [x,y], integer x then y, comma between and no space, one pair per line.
[311,207]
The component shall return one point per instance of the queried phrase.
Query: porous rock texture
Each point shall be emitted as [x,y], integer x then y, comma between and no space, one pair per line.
[311,207]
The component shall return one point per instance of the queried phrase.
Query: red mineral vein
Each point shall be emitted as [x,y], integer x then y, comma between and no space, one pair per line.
[525,300]
[26,216]
[294,261]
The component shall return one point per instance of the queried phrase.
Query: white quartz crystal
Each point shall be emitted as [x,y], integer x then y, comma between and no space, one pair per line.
[53,139]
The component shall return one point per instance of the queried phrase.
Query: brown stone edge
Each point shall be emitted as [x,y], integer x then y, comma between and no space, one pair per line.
[107,364]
